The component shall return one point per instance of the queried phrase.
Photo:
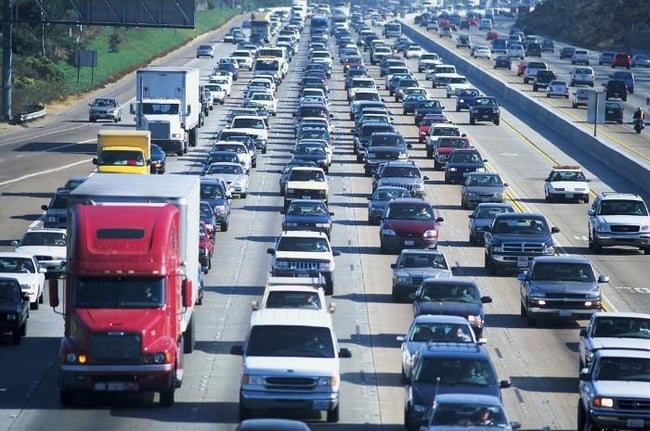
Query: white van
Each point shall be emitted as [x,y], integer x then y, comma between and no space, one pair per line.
[290,361]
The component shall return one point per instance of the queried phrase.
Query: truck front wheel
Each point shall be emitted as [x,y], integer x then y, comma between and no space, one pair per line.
[193,138]
[167,396]
[189,337]
[333,415]
[66,398]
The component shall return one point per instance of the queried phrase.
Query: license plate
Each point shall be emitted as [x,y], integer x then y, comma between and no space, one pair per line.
[522,262]
[634,423]
[321,405]
[306,197]
[565,313]
[116,386]
[409,242]
[569,195]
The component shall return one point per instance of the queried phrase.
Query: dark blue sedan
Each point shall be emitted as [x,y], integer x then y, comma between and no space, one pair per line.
[308,214]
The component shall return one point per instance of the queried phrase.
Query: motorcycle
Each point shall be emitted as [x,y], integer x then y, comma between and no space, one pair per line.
[639,124]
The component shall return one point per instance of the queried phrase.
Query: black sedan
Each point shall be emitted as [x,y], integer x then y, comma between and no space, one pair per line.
[158,160]
[425,107]
[461,163]
[502,61]
[313,152]
[308,214]
[454,297]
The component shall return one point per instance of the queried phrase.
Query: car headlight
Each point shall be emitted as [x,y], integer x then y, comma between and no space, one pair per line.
[220,209]
[419,408]
[323,225]
[325,266]
[471,194]
[475,320]
[290,224]
[281,264]
[11,316]
[644,228]
[480,169]
[603,402]
[328,381]
[402,156]
[51,218]
[496,248]
[498,195]
[549,249]
[371,155]
[452,169]
[247,379]
[388,232]
[601,226]
[289,190]
[593,295]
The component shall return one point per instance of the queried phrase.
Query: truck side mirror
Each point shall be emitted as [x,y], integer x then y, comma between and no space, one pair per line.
[53,285]
[583,332]
[132,109]
[95,161]
[148,162]
[44,207]
[186,292]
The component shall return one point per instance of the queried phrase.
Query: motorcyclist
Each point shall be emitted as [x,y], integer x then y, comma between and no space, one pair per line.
[639,114]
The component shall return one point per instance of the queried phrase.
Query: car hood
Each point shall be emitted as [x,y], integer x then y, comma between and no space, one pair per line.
[424,393]
[43,250]
[127,320]
[619,343]
[463,309]
[229,178]
[624,219]
[281,365]
[484,189]
[414,226]
[563,287]
[306,218]
[424,272]
[614,389]
[303,255]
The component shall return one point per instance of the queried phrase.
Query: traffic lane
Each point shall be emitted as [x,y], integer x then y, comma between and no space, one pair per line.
[618,134]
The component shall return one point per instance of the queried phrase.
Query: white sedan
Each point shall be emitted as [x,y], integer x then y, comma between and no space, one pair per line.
[265,99]
[48,245]
[482,52]
[568,183]
[557,88]
[224,80]
[413,51]
[233,174]
[24,268]
[217,92]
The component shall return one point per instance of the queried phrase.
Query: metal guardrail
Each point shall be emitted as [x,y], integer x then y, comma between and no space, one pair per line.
[30,113]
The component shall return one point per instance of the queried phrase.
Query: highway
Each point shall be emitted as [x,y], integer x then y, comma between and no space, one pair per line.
[542,362]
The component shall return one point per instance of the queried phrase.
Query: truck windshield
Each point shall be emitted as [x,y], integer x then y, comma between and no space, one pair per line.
[121,158]
[118,292]
[160,108]
[285,340]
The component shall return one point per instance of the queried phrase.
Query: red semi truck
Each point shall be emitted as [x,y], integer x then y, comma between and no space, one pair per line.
[124,299]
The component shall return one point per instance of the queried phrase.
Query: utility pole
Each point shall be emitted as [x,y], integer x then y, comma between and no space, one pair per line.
[7,44]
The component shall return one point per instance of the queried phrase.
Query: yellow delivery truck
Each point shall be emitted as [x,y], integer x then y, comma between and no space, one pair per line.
[123,151]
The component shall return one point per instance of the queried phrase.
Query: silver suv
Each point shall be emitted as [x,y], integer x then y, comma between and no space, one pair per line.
[619,219]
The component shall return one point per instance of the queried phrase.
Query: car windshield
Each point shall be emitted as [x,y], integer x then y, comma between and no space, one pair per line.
[248,123]
[468,415]
[485,102]
[623,369]
[209,191]
[44,238]
[121,158]
[160,108]
[306,244]
[401,172]
[440,332]
[465,157]
[206,212]
[292,299]
[453,143]
[484,180]
[431,292]
[619,326]
[623,207]
[286,340]
[390,194]
[454,371]
[307,208]
[568,176]
[488,213]
[563,272]
[17,265]
[308,175]
[423,260]
[225,169]
[387,140]
[409,212]
[446,131]
[223,157]
[9,291]
[104,103]
[520,226]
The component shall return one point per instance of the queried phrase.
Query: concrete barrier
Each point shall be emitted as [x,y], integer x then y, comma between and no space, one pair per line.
[537,115]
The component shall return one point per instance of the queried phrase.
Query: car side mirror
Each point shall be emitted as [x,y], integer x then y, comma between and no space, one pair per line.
[95,161]
[505,384]
[270,251]
[281,211]
[344,352]
[486,299]
[425,178]
[44,207]
[14,243]
[555,229]
[336,253]
[440,219]
[237,350]
[584,374]
[505,184]
[603,279]
[583,332]
[331,213]
[400,338]
[591,212]
[470,216]
[523,276]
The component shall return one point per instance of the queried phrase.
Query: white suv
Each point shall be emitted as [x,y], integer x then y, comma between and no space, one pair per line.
[304,254]
[290,361]
[619,219]
[582,75]
[304,293]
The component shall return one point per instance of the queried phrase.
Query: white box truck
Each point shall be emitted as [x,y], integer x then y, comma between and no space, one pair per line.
[167,103]
[183,191]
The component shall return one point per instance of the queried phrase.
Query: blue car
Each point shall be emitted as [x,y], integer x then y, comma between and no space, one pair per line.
[466,98]
[461,162]
[308,214]
[215,193]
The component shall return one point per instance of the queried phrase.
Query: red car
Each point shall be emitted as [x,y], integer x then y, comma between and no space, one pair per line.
[622,59]
[521,68]
[352,62]
[408,223]
[427,121]
[206,249]
[491,35]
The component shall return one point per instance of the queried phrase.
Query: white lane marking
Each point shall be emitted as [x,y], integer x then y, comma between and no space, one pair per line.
[47,171]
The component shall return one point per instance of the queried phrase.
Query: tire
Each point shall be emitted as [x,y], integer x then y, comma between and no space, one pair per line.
[243,195]
[522,310]
[16,338]
[243,412]
[167,396]
[66,398]
[497,122]
[224,227]
[383,249]
[333,415]
[490,268]
[430,156]
[193,138]
[189,337]
[472,121]
[41,299]
[34,305]
[534,87]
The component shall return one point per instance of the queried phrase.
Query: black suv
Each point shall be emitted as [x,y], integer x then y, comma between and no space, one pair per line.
[403,173]
[461,162]
[543,78]
[56,212]
[485,108]
[14,309]
[616,89]
[533,49]
[447,367]
[383,147]
[514,239]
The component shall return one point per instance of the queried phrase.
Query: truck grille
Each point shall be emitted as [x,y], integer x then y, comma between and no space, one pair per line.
[408,187]
[159,130]
[625,228]
[119,346]
[41,257]
[633,404]
[523,247]
[298,383]
[307,194]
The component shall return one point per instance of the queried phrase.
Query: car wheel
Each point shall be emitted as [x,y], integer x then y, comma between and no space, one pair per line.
[534,87]
[430,156]
[383,249]
[497,122]
[490,267]
[333,415]
[224,226]
[33,305]
[471,120]
[66,398]
[522,310]
[243,195]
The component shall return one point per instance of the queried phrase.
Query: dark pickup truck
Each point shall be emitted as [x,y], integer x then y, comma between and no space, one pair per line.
[543,78]
[14,309]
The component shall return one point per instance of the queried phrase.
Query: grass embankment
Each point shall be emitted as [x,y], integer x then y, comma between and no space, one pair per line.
[137,47]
